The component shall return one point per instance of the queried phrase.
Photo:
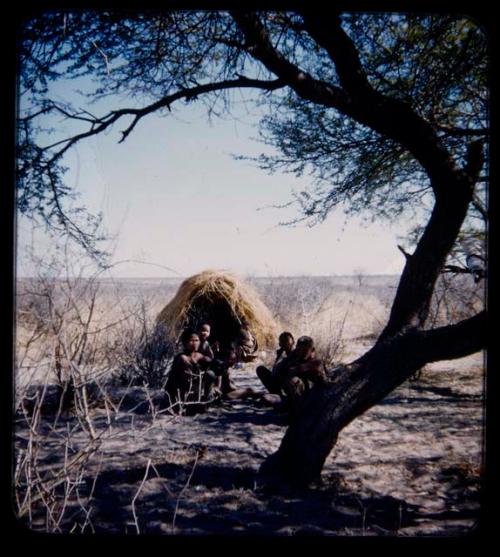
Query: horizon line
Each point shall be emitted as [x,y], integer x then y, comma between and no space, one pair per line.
[142,277]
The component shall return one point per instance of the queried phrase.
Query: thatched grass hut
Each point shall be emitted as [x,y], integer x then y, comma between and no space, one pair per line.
[223,300]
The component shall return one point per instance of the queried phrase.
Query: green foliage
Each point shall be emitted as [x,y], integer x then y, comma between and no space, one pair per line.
[436,64]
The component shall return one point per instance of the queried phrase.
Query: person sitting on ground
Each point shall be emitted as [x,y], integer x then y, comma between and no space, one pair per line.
[224,360]
[221,366]
[205,347]
[246,343]
[299,371]
[189,379]
[268,378]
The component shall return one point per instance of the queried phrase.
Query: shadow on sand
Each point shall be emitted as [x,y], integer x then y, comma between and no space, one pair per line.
[239,506]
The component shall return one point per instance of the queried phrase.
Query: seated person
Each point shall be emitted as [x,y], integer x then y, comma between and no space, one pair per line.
[189,378]
[205,347]
[300,370]
[224,360]
[221,366]
[246,343]
[269,380]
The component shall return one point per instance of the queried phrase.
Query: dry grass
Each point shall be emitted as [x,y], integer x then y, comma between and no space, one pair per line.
[211,286]
[81,334]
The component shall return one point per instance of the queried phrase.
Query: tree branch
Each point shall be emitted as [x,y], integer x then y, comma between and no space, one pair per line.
[453,341]
[452,186]
[389,116]
[462,132]
[411,303]
[258,45]
[480,208]
[404,252]
[341,50]
[99,125]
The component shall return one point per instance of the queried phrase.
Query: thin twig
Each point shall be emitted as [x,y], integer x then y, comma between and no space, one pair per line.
[136,522]
[186,485]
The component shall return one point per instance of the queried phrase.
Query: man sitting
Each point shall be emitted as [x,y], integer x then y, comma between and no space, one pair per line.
[268,377]
[246,344]
[299,371]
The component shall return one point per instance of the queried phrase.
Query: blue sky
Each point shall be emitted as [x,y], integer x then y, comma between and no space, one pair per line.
[174,197]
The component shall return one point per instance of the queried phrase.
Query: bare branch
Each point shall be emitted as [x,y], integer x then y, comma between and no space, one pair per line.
[259,46]
[478,205]
[98,125]
[405,253]
[136,522]
[463,132]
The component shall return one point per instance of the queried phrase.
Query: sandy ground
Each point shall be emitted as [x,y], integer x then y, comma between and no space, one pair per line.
[409,466]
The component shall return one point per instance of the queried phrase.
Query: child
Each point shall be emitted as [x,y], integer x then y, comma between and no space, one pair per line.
[286,344]
[296,373]
[204,334]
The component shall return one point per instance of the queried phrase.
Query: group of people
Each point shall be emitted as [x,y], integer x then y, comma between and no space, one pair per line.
[201,372]
[296,369]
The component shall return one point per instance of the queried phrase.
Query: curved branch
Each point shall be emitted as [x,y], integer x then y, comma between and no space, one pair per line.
[480,208]
[98,125]
[341,50]
[258,45]
[463,132]
[389,116]
[411,303]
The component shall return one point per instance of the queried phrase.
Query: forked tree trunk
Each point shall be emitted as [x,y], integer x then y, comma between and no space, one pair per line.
[327,409]
[403,346]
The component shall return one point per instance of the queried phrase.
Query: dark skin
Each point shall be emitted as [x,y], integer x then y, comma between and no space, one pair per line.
[286,344]
[303,365]
[185,366]
[267,377]
[191,354]
[204,332]
[246,343]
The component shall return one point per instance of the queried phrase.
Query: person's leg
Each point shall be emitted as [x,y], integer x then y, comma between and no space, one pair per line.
[294,388]
[268,380]
[209,382]
[226,384]
[246,392]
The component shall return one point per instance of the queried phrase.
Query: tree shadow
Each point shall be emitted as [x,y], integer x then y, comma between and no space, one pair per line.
[260,416]
[238,505]
[446,392]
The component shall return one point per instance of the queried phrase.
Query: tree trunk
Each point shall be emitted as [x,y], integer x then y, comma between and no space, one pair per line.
[403,347]
[326,409]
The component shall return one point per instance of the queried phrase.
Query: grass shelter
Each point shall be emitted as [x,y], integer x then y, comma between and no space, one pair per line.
[223,300]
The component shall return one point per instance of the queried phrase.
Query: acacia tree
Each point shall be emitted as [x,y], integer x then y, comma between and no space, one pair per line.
[384,111]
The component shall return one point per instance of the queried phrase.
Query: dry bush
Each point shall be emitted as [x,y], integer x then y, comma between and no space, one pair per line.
[339,312]
[77,337]
[334,311]
[455,297]
[71,338]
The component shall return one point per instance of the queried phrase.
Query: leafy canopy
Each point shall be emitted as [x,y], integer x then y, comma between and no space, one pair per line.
[151,60]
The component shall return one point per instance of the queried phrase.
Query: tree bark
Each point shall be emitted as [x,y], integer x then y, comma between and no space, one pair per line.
[326,409]
[403,347]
